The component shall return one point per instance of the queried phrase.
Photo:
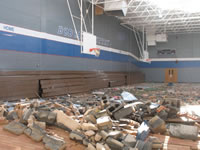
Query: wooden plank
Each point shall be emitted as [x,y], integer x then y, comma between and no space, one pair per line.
[176,147]
[60,81]
[176,141]
[98,11]
[59,85]
[64,92]
[18,85]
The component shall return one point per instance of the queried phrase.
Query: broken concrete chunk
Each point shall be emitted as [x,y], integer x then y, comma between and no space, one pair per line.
[115,134]
[140,145]
[183,131]
[100,146]
[114,144]
[89,133]
[113,108]
[147,146]
[15,127]
[88,126]
[90,114]
[35,133]
[65,120]
[104,134]
[46,116]
[54,143]
[42,115]
[26,116]
[157,125]
[85,141]
[12,115]
[90,118]
[32,121]
[101,113]
[163,115]
[98,137]
[51,119]
[91,147]
[129,140]
[41,124]
[28,132]
[107,147]
[75,135]
[122,113]
[104,122]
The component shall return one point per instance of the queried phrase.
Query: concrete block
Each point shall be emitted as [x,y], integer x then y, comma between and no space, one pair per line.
[140,145]
[35,133]
[129,140]
[100,146]
[114,144]
[65,120]
[104,134]
[75,135]
[98,137]
[104,121]
[88,126]
[115,134]
[12,115]
[113,108]
[46,116]
[183,131]
[15,127]
[26,116]
[85,141]
[157,125]
[122,113]
[54,143]
[91,147]
[89,133]
[107,147]
[51,119]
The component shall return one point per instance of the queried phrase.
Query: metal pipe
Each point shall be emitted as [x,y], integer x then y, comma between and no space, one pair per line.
[81,32]
[93,17]
[70,11]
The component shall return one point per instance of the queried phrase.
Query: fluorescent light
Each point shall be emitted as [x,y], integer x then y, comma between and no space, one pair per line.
[183,5]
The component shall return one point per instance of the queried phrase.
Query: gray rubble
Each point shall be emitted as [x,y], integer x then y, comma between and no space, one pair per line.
[105,121]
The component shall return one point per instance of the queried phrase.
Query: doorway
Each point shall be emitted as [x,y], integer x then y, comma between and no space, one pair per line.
[171,75]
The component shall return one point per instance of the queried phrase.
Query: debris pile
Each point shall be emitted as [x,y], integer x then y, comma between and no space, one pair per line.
[115,121]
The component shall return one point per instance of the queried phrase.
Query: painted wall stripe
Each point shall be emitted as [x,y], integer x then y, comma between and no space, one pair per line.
[175,59]
[42,35]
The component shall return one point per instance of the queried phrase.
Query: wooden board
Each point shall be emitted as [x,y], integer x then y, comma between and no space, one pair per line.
[167,140]
[98,11]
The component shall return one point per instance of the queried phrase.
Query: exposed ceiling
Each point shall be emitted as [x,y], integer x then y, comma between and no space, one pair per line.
[161,16]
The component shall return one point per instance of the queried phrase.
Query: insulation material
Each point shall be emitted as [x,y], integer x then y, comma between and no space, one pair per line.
[118,8]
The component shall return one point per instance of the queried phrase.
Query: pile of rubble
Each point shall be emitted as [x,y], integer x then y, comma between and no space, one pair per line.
[103,122]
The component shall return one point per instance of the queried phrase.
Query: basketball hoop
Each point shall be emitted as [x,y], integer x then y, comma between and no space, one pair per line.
[96,51]
[148,60]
